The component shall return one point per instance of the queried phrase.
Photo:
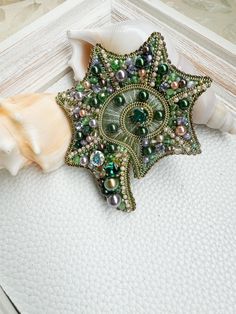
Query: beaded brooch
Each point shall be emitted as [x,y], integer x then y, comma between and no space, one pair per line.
[130,110]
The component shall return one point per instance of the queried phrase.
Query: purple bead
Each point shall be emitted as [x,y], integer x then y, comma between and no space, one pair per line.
[149,58]
[187,136]
[83,142]
[94,61]
[76,110]
[128,61]
[146,159]
[163,87]
[96,88]
[110,89]
[182,121]
[131,69]
[78,126]
[160,148]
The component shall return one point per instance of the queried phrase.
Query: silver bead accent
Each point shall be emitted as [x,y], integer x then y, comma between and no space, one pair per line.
[121,75]
[145,142]
[114,200]
[84,161]
[93,123]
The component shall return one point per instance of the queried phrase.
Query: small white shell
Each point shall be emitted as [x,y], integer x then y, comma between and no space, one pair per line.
[117,38]
[33,129]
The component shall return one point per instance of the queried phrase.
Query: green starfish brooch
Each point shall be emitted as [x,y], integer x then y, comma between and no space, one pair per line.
[130,110]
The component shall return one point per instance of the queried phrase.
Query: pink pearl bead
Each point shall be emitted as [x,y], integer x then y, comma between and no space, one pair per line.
[82,113]
[142,72]
[180,130]
[86,85]
[174,85]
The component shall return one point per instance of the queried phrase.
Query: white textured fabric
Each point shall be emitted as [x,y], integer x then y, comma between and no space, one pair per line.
[64,251]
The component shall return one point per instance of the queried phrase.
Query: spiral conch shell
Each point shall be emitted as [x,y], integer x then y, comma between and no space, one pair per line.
[34,129]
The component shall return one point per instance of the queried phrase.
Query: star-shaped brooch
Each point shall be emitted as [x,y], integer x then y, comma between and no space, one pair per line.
[130,110]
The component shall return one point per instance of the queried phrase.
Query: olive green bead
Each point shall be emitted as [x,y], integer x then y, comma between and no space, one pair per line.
[96,69]
[142,131]
[159,115]
[139,62]
[163,68]
[183,104]
[112,127]
[143,95]
[119,100]
[94,102]
[147,151]
[102,96]
[111,148]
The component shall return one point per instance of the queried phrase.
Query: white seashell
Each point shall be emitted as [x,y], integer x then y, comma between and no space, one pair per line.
[116,38]
[33,129]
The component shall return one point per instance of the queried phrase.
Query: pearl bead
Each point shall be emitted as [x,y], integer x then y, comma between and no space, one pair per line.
[114,200]
[145,142]
[86,85]
[93,123]
[142,72]
[174,85]
[121,75]
[82,113]
[159,138]
[89,139]
[84,161]
[180,130]
[146,159]
[111,184]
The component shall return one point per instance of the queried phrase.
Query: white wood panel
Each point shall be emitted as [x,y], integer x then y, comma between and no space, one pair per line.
[37,56]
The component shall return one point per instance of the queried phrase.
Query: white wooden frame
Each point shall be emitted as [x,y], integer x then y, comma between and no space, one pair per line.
[35,58]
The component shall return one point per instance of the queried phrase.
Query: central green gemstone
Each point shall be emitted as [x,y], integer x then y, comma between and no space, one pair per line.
[140,115]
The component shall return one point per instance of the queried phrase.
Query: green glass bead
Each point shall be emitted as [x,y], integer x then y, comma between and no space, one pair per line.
[183,104]
[134,79]
[102,96]
[159,115]
[139,62]
[76,160]
[112,128]
[170,92]
[142,131]
[86,129]
[96,69]
[173,76]
[94,102]
[79,87]
[112,169]
[167,141]
[93,80]
[115,64]
[147,151]
[162,68]
[143,95]
[122,206]
[119,100]
[139,115]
